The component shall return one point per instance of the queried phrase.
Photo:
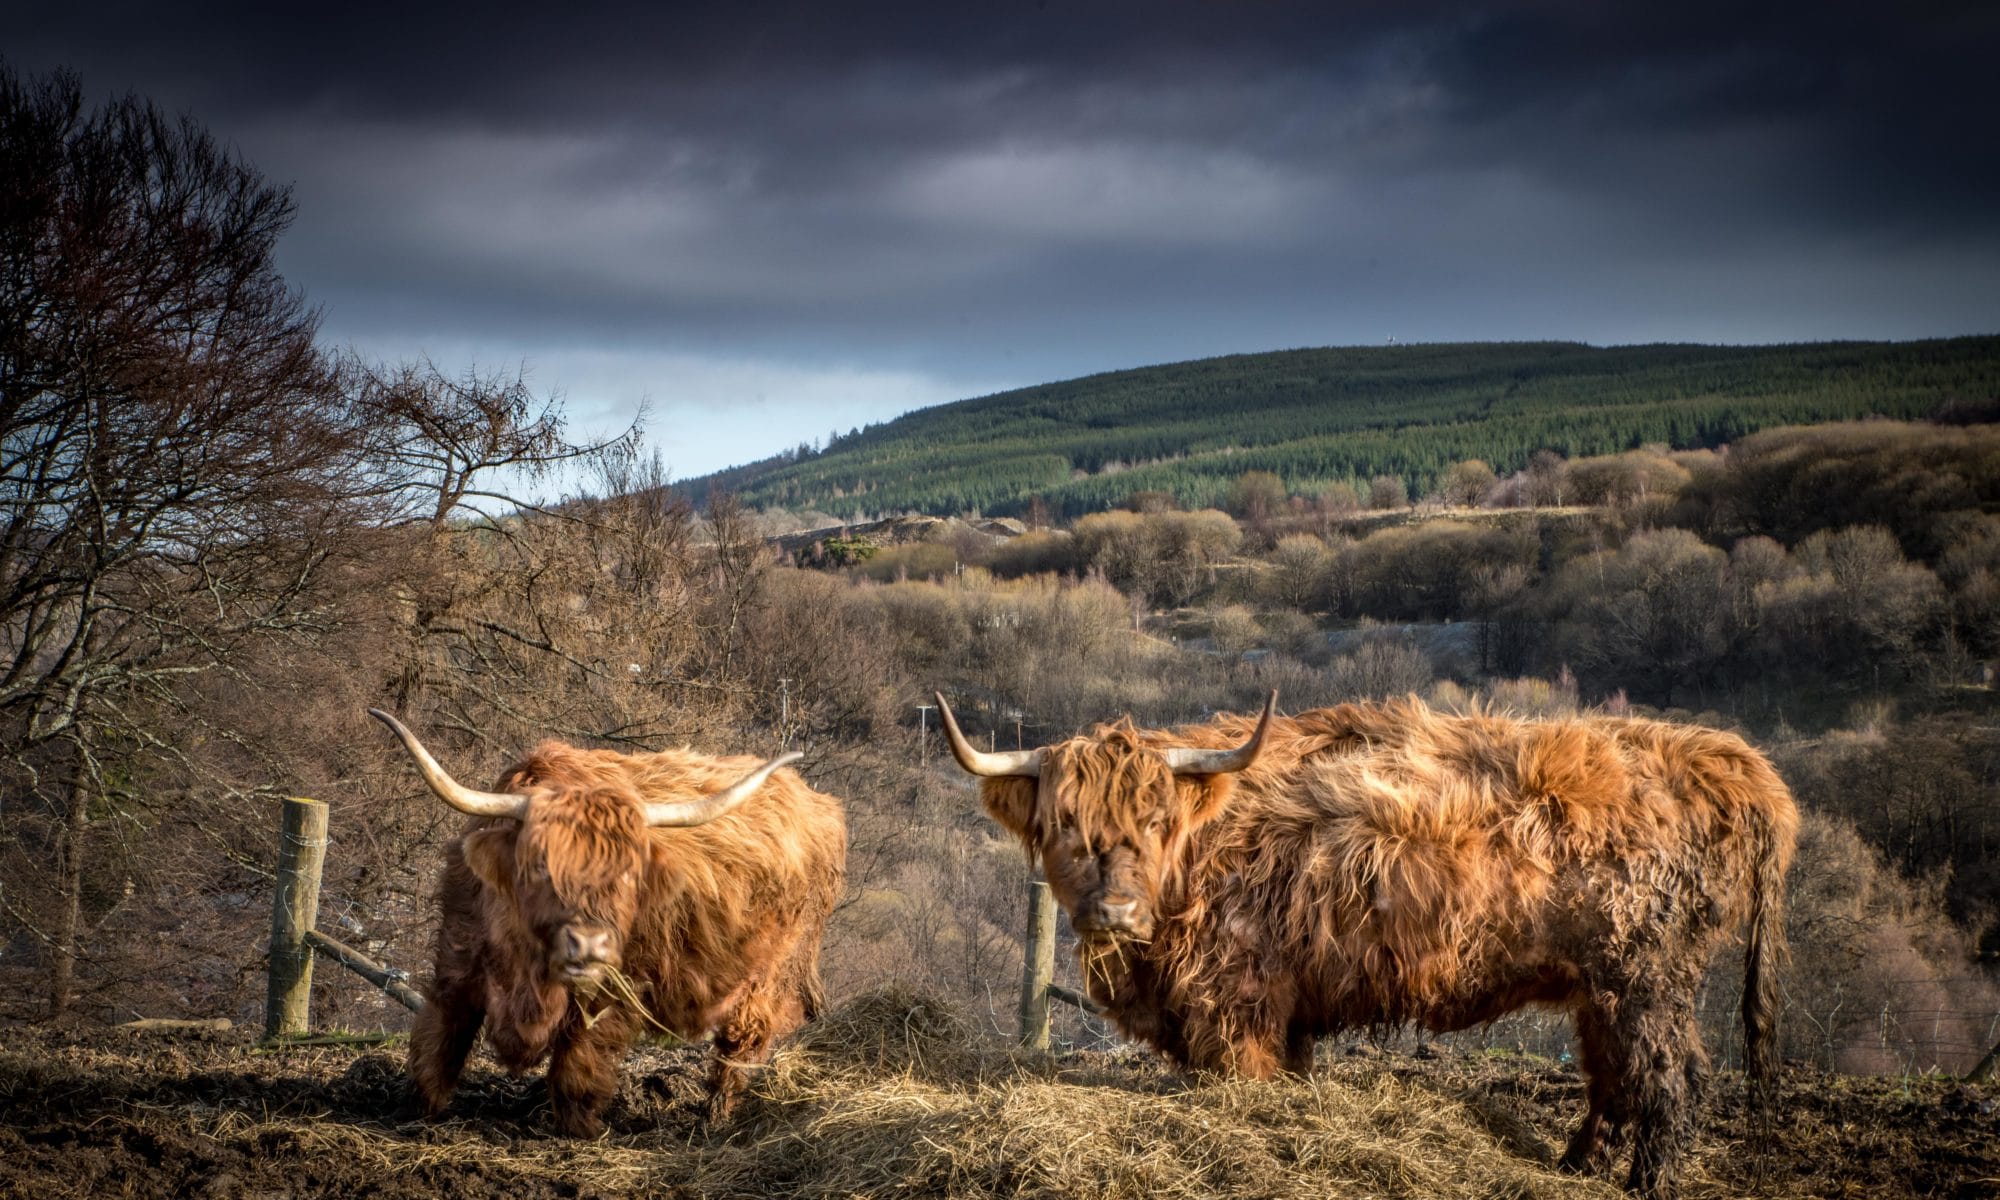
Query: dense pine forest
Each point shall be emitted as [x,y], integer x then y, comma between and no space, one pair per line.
[1339,417]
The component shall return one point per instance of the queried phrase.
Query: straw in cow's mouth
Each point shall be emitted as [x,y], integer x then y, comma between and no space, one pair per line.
[619,988]
[1100,953]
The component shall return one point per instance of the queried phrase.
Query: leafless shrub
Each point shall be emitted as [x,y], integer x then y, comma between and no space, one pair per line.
[1300,567]
[1379,665]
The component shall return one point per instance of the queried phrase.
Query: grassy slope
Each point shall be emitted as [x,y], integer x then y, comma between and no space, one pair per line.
[1317,417]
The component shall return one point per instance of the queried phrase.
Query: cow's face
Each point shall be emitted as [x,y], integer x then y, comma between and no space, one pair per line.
[574,869]
[567,855]
[1108,819]
[1108,814]
[1107,885]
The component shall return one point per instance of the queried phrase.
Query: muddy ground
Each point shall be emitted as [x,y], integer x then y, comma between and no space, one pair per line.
[110,1114]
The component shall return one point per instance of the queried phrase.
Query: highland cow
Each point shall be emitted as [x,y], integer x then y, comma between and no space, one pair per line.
[1246,886]
[598,893]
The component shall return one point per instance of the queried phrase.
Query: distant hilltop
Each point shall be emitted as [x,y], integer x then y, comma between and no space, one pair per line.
[1341,417]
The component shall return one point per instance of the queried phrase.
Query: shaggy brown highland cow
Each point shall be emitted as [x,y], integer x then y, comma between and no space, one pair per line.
[1245,886]
[601,891]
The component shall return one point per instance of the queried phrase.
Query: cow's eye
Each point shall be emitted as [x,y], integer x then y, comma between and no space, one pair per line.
[539,871]
[1079,852]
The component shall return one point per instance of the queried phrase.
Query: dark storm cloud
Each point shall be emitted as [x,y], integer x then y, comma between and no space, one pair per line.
[820,92]
[1005,193]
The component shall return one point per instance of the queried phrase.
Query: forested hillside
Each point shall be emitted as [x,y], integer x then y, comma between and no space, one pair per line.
[1327,417]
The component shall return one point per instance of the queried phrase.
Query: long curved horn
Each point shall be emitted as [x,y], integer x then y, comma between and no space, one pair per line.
[1186,761]
[679,814]
[979,762]
[449,790]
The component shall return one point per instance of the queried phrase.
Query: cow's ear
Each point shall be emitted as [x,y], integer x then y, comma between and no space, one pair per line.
[489,855]
[1010,800]
[1203,797]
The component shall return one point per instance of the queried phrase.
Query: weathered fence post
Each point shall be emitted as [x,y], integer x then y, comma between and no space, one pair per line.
[1038,966]
[294,910]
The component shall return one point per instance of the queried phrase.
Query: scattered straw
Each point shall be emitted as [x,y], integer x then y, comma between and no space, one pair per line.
[619,987]
[892,1095]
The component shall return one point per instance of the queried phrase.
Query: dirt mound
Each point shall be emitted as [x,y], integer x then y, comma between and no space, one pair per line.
[890,1094]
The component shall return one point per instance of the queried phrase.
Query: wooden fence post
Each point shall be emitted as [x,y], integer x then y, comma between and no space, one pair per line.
[294,910]
[1038,966]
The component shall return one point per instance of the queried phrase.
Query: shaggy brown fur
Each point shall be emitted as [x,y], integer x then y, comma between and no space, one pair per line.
[1383,864]
[717,925]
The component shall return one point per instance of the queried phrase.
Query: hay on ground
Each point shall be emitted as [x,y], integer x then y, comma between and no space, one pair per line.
[891,1095]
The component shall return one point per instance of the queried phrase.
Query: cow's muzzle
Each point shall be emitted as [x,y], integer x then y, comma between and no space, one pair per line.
[583,954]
[1114,921]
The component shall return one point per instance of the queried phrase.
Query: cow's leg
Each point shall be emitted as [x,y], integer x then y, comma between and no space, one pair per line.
[1660,1069]
[1248,1041]
[1684,1078]
[744,1043]
[583,1072]
[1589,1151]
[1299,1044]
[440,1040]
[1162,1031]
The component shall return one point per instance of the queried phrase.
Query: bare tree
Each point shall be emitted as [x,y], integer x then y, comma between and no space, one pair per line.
[1546,479]
[1299,567]
[1254,495]
[444,444]
[171,459]
[1651,612]
[1387,493]
[1467,482]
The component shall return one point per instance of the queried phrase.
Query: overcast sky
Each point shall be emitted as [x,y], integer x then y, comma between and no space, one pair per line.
[772,220]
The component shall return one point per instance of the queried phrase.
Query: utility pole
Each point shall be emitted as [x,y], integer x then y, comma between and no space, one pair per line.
[924,734]
[784,713]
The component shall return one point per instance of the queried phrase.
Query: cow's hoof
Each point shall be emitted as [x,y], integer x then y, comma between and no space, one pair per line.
[419,1105]
[579,1125]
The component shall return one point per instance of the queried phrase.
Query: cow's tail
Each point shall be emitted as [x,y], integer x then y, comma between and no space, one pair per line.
[1764,958]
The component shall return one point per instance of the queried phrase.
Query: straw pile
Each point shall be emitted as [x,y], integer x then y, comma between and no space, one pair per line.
[888,1095]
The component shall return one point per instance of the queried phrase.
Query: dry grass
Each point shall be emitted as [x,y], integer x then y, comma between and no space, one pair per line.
[888,1095]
